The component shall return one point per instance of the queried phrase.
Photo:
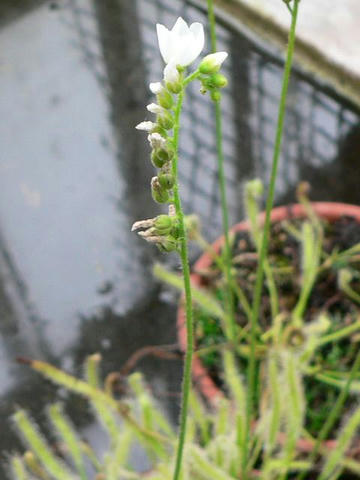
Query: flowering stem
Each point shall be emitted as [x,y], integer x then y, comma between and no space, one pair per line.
[186,385]
[191,77]
[251,373]
[222,185]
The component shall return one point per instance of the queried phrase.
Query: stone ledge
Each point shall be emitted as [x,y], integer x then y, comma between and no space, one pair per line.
[328,39]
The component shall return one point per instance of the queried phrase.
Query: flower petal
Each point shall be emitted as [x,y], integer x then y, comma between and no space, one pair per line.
[180,27]
[211,63]
[199,38]
[182,44]
[156,140]
[155,87]
[163,35]
[155,108]
[192,45]
[146,126]
[171,73]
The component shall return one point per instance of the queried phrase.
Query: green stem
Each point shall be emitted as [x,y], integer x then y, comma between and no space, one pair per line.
[186,385]
[191,77]
[251,373]
[222,185]
[334,414]
[219,262]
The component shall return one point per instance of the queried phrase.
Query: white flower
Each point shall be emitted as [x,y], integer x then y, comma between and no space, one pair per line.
[147,126]
[155,87]
[156,141]
[154,108]
[171,73]
[181,45]
[212,63]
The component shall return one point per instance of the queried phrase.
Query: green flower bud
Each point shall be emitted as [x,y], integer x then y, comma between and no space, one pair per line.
[161,156]
[174,87]
[212,63]
[217,80]
[165,99]
[159,194]
[163,224]
[175,232]
[168,244]
[159,129]
[165,120]
[173,78]
[158,159]
[166,180]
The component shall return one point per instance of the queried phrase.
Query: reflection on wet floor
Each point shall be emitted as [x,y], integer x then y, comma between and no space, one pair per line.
[75,175]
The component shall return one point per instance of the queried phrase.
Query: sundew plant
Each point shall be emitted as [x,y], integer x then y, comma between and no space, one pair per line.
[256,430]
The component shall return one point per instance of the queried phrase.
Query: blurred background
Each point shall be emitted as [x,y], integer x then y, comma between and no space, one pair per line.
[74,176]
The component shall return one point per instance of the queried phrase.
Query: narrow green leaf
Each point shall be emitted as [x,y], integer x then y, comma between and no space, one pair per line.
[33,438]
[92,370]
[343,442]
[69,437]
[203,299]
[18,468]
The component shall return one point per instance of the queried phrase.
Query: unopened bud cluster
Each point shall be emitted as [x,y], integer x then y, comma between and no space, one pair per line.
[159,133]
[211,79]
[162,230]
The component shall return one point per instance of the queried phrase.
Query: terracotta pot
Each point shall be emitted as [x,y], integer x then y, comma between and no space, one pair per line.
[326,210]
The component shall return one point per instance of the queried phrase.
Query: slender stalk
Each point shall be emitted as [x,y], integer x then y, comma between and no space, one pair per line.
[186,384]
[222,186]
[334,414]
[251,373]
[219,262]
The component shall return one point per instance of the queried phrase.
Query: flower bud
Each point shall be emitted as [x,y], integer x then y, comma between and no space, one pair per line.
[165,99]
[154,108]
[156,87]
[146,126]
[175,232]
[217,80]
[165,120]
[163,224]
[160,130]
[159,194]
[161,156]
[156,141]
[166,180]
[172,78]
[212,63]
[168,244]
[174,87]
[157,159]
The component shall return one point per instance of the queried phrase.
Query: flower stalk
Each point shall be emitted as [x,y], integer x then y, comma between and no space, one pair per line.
[186,384]
[251,373]
[222,185]
[179,47]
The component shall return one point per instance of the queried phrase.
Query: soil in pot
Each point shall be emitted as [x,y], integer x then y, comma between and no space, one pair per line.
[285,256]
